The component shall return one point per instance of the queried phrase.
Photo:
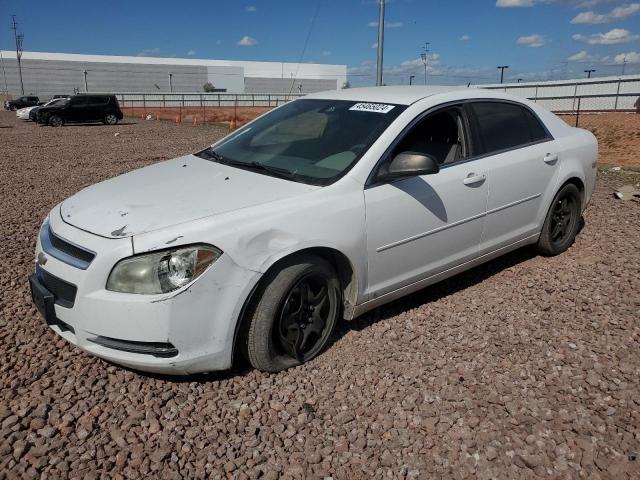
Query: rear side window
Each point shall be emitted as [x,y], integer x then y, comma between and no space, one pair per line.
[98,100]
[505,125]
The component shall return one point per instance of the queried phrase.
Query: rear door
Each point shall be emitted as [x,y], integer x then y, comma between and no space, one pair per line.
[522,163]
[77,109]
[96,107]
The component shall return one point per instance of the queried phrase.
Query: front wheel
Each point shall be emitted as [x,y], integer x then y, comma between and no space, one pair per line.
[55,121]
[294,314]
[562,223]
[110,119]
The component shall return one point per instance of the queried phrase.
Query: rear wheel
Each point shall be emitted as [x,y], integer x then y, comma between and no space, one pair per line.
[110,119]
[294,314]
[56,121]
[562,222]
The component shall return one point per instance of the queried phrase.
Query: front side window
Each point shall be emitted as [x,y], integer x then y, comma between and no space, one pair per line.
[502,126]
[307,140]
[440,135]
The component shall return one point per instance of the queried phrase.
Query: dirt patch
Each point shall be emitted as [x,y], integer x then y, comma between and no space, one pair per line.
[524,367]
[197,115]
[618,136]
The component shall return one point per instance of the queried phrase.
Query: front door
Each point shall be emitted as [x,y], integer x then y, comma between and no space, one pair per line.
[420,226]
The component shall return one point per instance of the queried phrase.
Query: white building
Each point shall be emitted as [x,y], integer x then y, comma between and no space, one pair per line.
[47,74]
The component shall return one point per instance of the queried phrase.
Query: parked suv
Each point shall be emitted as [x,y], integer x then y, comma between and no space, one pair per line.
[82,108]
[22,102]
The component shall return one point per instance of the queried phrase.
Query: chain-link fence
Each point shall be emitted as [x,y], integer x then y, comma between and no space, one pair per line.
[619,94]
[203,100]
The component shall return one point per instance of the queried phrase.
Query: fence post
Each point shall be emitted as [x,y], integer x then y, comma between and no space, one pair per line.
[575,94]
[163,101]
[144,104]
[578,111]
[615,108]
[536,97]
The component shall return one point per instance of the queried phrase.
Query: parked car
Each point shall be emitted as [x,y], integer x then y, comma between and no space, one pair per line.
[23,113]
[34,111]
[82,108]
[22,102]
[320,210]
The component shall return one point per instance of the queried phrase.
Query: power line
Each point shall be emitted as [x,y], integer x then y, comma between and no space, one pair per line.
[306,42]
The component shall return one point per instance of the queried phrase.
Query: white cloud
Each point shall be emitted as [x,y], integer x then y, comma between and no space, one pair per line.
[387,24]
[612,37]
[247,41]
[630,57]
[250,8]
[533,41]
[191,52]
[617,14]
[581,56]
[465,38]
[514,3]
[326,53]
[374,45]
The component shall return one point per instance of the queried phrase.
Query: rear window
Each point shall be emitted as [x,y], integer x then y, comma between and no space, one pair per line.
[503,126]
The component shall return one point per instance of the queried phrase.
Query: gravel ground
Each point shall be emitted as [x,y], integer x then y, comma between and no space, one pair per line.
[524,367]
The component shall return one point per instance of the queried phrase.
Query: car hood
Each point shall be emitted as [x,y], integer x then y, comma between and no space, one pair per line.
[170,193]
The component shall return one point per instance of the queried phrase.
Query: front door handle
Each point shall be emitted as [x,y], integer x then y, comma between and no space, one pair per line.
[550,158]
[473,179]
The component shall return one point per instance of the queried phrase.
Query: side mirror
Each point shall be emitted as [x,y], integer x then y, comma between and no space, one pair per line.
[409,164]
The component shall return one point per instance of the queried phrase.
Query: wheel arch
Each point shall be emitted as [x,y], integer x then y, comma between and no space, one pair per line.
[344,268]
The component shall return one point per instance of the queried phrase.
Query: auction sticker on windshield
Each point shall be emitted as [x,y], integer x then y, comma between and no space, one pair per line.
[372,107]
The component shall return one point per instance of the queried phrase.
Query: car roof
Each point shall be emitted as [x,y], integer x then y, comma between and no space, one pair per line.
[406,95]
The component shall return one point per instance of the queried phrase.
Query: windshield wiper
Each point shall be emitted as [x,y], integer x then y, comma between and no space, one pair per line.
[256,166]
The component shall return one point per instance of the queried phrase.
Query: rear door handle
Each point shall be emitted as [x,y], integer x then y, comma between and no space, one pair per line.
[550,158]
[472,179]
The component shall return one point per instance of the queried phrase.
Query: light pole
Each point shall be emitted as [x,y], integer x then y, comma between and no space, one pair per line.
[86,88]
[380,42]
[425,59]
[19,38]
[519,80]
[589,72]
[502,68]
[624,64]
[171,82]
[411,77]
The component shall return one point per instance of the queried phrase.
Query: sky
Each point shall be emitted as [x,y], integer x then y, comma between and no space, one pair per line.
[468,39]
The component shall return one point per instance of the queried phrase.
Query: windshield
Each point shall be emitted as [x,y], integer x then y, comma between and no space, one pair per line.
[56,101]
[310,141]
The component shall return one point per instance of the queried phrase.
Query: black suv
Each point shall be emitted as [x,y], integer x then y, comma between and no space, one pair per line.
[22,102]
[82,108]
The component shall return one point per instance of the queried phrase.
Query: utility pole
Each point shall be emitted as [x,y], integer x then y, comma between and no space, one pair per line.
[171,82]
[411,77]
[589,72]
[86,87]
[425,59]
[380,42]
[502,68]
[624,64]
[19,38]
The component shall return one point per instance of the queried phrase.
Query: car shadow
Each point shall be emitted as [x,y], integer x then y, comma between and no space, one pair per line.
[96,124]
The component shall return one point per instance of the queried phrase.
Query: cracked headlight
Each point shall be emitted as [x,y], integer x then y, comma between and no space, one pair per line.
[161,272]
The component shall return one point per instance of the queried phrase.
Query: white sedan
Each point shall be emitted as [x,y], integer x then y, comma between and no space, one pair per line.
[23,113]
[318,211]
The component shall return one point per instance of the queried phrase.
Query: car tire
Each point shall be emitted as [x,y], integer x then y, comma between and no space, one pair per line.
[13,108]
[56,121]
[562,222]
[291,320]
[110,119]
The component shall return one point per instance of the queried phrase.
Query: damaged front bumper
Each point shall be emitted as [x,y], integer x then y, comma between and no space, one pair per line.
[185,331]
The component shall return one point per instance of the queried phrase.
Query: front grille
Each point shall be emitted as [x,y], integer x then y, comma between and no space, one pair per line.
[157,349]
[64,250]
[64,292]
